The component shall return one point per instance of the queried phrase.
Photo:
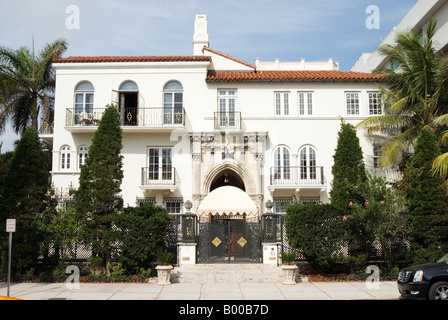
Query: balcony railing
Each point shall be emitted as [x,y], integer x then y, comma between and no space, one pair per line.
[158,176]
[46,127]
[227,120]
[297,176]
[138,117]
[390,175]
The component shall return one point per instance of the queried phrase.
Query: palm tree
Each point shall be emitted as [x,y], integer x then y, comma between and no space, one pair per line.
[27,84]
[416,93]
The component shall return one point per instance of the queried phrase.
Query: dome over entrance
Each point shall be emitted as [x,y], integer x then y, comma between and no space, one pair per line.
[229,201]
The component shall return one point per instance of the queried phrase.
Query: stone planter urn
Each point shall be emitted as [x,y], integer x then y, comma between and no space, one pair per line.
[164,274]
[289,274]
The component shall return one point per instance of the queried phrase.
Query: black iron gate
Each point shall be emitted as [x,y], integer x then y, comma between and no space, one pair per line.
[229,240]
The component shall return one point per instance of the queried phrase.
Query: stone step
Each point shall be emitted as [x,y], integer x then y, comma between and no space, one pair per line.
[227,273]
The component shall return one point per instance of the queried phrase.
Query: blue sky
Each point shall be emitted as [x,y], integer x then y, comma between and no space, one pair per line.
[265,29]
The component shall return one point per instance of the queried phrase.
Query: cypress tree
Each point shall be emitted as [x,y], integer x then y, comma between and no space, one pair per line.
[98,199]
[23,197]
[348,170]
[427,213]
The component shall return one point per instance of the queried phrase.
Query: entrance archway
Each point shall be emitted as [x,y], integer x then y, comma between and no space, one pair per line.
[227,178]
[242,179]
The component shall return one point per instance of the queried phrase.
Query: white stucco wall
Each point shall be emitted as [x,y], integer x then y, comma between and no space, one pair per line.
[255,101]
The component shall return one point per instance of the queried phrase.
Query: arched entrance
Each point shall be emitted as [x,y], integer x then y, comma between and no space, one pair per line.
[228,173]
[227,235]
[227,178]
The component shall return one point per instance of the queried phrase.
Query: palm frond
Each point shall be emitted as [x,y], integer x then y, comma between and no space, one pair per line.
[392,152]
[443,140]
[440,165]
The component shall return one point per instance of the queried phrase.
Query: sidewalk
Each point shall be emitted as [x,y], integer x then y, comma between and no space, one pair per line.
[204,291]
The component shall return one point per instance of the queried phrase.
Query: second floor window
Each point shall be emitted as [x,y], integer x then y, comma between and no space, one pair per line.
[376,156]
[65,161]
[307,160]
[159,164]
[281,103]
[282,163]
[83,151]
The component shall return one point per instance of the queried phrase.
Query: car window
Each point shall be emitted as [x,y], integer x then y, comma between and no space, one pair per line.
[444,259]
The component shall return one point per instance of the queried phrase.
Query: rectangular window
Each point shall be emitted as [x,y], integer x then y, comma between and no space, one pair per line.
[352,103]
[226,108]
[374,103]
[281,103]
[376,156]
[160,164]
[281,203]
[306,103]
[173,205]
[65,158]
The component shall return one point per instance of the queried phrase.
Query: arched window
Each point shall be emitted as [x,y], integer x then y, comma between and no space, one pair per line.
[130,86]
[307,162]
[173,111]
[84,94]
[65,161]
[83,151]
[282,163]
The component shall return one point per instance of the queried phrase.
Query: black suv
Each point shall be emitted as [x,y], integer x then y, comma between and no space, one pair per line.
[425,281]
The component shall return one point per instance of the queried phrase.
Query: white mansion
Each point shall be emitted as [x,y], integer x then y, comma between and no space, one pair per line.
[211,129]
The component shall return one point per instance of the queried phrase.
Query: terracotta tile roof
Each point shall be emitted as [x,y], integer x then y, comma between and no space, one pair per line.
[230,57]
[100,59]
[297,76]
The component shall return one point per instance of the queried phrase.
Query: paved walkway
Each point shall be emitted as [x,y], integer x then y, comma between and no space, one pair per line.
[204,291]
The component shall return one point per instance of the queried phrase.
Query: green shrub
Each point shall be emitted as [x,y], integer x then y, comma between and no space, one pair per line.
[317,230]
[142,234]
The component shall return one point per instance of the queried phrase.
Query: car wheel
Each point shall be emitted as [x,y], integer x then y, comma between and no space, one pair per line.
[439,291]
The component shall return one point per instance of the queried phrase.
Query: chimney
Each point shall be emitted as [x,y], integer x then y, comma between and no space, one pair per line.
[200,38]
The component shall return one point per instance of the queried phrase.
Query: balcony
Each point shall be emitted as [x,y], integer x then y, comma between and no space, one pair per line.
[162,178]
[297,178]
[132,119]
[46,131]
[227,120]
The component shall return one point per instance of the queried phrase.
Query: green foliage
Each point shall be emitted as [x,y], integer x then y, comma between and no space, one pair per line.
[288,257]
[142,233]
[98,200]
[427,213]
[61,231]
[348,169]
[377,219]
[317,230]
[24,198]
[116,270]
[164,258]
